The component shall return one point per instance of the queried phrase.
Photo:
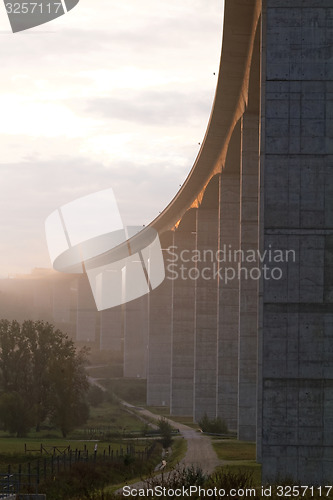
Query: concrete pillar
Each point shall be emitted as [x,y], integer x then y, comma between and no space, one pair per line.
[64,299]
[206,311]
[248,282]
[136,337]
[251,269]
[182,370]
[86,323]
[111,328]
[42,298]
[228,317]
[297,215]
[160,331]
[61,299]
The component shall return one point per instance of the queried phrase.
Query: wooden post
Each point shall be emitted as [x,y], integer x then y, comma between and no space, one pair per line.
[37,472]
[19,478]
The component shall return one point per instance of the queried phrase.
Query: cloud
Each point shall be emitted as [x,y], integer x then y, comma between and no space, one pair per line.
[154,107]
[113,94]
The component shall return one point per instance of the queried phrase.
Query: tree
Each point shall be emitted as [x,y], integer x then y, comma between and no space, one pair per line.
[41,371]
[96,396]
[166,432]
[12,407]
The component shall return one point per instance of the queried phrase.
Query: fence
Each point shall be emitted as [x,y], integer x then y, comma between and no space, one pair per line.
[27,476]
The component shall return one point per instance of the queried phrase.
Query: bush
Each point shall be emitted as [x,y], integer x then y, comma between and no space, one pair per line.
[214,426]
[166,432]
[178,478]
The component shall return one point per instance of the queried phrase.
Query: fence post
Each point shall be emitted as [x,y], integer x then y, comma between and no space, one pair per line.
[58,463]
[29,476]
[37,472]
[19,478]
[44,469]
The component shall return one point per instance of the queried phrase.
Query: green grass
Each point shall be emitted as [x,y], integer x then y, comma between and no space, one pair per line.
[109,417]
[114,415]
[232,449]
[240,455]
[185,421]
[179,448]
[164,411]
[244,466]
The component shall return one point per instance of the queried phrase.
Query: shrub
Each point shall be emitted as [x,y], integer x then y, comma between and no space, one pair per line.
[214,426]
[166,432]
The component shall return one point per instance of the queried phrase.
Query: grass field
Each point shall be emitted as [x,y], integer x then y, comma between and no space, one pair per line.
[231,449]
[108,418]
[240,456]
[114,415]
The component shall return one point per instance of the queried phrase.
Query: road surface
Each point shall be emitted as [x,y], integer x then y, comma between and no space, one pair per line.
[200,451]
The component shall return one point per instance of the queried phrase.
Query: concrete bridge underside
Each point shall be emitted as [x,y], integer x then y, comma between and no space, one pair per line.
[255,350]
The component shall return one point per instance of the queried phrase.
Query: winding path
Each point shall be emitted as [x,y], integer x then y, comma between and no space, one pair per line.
[200,451]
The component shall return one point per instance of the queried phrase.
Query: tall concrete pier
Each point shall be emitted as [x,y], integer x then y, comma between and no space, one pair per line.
[249,337]
[297,213]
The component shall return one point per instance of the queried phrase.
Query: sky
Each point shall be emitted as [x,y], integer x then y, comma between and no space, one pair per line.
[112,94]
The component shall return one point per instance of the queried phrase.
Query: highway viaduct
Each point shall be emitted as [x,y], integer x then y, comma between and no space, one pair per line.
[255,349]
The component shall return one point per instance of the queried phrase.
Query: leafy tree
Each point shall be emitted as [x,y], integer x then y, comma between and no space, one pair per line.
[12,408]
[41,372]
[166,432]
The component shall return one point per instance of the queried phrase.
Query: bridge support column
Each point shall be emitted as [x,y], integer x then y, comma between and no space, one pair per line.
[248,282]
[297,216]
[111,329]
[228,317]
[136,337]
[206,313]
[86,324]
[182,372]
[160,333]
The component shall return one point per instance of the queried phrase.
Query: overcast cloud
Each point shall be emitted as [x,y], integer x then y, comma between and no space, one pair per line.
[113,94]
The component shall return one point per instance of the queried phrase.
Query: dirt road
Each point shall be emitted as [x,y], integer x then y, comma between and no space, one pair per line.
[200,451]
